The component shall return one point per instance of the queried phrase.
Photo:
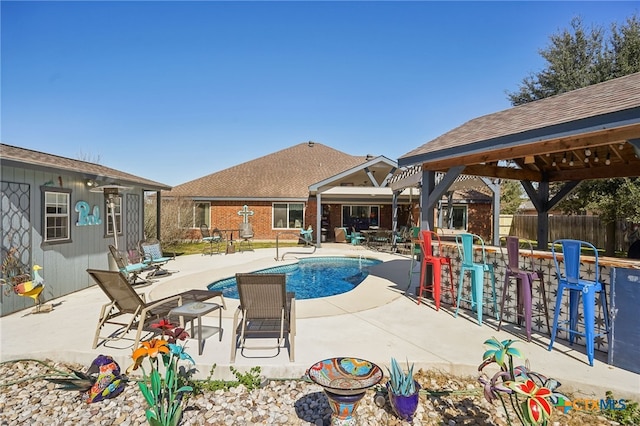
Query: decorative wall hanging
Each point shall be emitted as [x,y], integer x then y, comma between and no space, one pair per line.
[84,218]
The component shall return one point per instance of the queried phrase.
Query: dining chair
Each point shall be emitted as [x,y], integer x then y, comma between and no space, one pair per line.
[477,271]
[569,278]
[436,261]
[525,277]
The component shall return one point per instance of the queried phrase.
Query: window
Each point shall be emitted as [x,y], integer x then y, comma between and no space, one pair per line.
[458,217]
[360,217]
[288,215]
[117,210]
[201,214]
[57,216]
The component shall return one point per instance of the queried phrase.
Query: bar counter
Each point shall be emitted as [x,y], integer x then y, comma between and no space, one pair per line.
[542,260]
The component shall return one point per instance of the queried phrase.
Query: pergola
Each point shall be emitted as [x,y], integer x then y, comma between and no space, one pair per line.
[589,133]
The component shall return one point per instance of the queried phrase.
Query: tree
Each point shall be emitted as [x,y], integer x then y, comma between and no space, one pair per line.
[577,58]
[176,220]
[510,196]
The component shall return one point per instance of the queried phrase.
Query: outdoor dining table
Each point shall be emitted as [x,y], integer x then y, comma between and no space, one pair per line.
[376,238]
[230,242]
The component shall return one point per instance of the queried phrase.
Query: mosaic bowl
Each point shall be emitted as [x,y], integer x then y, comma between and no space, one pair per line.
[345,376]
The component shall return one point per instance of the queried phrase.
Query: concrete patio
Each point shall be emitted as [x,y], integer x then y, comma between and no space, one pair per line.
[375,321]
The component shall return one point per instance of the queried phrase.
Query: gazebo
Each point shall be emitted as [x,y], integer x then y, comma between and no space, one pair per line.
[588,133]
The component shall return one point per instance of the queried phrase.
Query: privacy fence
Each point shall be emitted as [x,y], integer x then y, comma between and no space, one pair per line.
[586,228]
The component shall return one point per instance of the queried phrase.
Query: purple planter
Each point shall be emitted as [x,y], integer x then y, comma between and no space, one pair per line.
[404,406]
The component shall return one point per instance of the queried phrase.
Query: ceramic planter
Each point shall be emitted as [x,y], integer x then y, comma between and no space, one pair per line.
[404,406]
[345,381]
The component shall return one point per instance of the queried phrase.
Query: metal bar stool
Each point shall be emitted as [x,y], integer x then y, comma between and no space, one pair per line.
[477,271]
[568,274]
[524,281]
[436,262]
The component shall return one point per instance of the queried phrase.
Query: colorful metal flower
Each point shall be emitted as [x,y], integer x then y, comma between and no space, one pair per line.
[178,351]
[491,386]
[536,407]
[170,331]
[149,348]
[163,325]
[500,351]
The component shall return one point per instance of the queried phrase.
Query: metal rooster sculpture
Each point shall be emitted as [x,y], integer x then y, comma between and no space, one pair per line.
[32,288]
[102,380]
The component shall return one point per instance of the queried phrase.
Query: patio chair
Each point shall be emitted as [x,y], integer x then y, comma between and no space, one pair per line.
[124,301]
[152,256]
[213,238]
[131,271]
[245,232]
[266,311]
[306,236]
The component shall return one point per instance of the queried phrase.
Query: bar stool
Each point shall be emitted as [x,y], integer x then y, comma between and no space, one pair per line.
[569,279]
[477,271]
[524,282]
[436,262]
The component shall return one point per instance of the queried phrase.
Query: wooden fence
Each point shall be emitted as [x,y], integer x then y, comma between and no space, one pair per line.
[585,228]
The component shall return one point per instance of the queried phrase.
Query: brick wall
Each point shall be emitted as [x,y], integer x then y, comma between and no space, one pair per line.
[479,220]
[224,215]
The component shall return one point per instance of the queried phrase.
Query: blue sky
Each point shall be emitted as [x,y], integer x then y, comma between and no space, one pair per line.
[173,91]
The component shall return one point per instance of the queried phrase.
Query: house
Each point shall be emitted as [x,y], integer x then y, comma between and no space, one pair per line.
[55,214]
[308,184]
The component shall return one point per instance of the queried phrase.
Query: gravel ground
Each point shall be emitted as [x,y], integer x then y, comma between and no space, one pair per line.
[27,399]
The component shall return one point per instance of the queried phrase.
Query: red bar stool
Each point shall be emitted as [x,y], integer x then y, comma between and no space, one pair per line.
[524,282]
[436,262]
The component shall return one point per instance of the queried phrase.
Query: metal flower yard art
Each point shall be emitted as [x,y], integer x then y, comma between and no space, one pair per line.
[164,395]
[531,395]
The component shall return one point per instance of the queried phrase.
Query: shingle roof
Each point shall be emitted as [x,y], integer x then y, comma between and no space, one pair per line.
[599,99]
[13,155]
[282,174]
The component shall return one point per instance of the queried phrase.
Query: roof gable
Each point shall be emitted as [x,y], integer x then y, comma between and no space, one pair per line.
[287,173]
[369,167]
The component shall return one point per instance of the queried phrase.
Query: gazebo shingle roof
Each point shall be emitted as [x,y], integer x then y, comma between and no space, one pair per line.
[591,101]
[282,174]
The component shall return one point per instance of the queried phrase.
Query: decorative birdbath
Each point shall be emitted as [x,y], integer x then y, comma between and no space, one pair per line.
[345,381]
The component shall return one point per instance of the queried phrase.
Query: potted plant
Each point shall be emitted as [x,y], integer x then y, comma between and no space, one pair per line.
[403,391]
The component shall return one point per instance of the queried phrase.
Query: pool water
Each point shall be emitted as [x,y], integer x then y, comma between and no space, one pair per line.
[311,278]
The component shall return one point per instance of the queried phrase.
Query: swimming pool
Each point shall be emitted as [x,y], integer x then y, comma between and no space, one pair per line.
[312,277]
